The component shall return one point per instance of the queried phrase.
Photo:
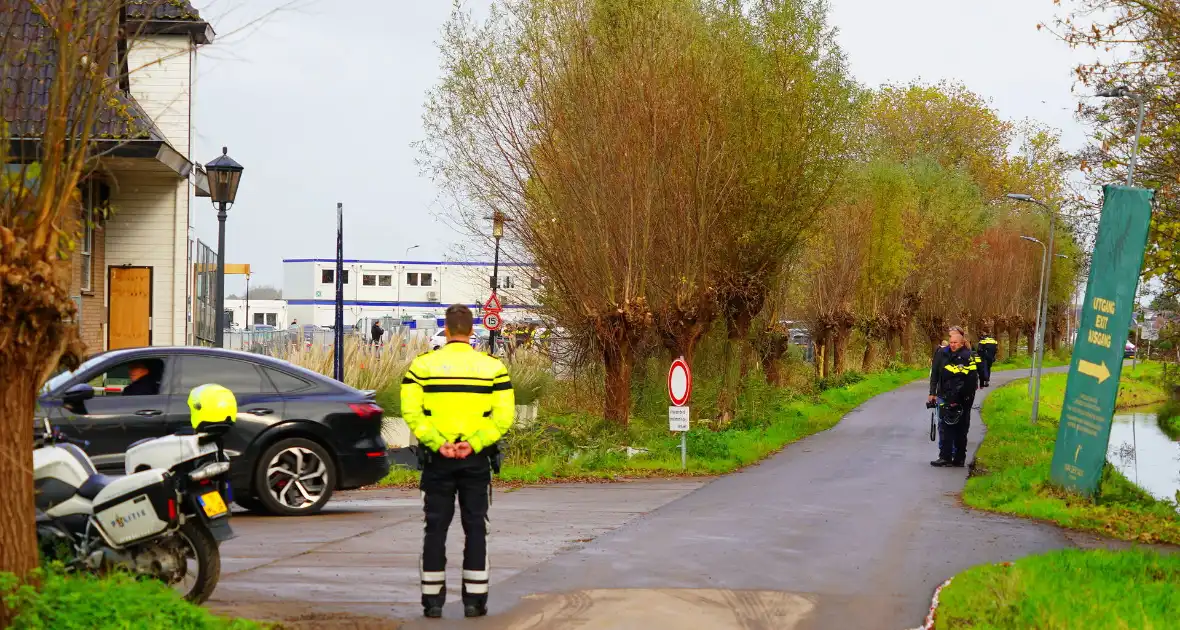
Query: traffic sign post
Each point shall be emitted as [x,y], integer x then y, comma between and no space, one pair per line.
[679,390]
[1084,432]
[492,320]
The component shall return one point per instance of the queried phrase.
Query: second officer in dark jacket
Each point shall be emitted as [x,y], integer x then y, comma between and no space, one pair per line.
[987,354]
[953,381]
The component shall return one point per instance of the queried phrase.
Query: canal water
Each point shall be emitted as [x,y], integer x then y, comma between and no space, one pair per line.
[1145,454]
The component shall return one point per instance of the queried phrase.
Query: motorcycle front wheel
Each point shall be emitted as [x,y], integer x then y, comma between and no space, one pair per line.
[202,562]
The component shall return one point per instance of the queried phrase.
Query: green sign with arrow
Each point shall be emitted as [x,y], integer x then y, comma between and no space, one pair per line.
[1084,432]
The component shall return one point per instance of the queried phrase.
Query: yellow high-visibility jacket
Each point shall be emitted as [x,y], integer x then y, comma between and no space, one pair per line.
[456,394]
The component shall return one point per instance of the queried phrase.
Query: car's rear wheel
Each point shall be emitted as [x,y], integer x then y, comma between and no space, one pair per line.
[295,477]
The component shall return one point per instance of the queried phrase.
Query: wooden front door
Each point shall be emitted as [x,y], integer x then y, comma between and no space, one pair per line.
[130,308]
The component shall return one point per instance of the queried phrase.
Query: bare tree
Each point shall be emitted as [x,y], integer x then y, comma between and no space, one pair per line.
[596,129]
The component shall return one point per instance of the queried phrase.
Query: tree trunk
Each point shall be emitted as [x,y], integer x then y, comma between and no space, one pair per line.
[619,360]
[820,342]
[1030,337]
[870,355]
[18,529]
[907,342]
[843,335]
[772,360]
[1013,340]
[740,312]
[891,335]
[935,339]
[682,341]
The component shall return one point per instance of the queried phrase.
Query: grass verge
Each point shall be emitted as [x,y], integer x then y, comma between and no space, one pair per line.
[1066,590]
[582,447]
[83,602]
[1011,472]
[1169,419]
[1024,361]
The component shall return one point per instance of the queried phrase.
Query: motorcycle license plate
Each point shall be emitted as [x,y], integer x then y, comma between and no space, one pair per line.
[213,504]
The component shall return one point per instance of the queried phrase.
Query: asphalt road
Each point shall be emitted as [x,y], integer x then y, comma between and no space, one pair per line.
[355,565]
[850,528]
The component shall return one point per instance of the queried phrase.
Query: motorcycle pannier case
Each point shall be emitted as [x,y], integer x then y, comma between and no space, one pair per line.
[136,507]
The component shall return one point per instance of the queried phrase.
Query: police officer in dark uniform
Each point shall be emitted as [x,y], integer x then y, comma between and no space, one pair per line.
[953,381]
[459,403]
[987,354]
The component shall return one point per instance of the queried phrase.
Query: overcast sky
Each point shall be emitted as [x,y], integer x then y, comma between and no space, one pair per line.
[321,100]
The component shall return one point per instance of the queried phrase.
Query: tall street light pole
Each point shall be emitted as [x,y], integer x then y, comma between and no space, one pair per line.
[1046,273]
[1125,92]
[498,221]
[1032,363]
[224,176]
[408,250]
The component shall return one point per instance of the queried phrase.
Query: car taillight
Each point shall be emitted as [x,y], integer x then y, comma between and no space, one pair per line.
[367,410]
[172,509]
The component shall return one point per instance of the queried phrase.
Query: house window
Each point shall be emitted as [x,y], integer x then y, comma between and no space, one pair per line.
[259,318]
[93,197]
[535,283]
[272,319]
[427,279]
[87,252]
[385,281]
[328,276]
[369,280]
[411,279]
[506,282]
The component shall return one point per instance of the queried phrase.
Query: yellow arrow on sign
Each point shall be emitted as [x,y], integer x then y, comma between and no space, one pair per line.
[1097,370]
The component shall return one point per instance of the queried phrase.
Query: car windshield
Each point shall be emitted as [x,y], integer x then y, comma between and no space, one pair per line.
[61,379]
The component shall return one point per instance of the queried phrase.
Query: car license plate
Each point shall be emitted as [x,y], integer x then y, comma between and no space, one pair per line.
[213,504]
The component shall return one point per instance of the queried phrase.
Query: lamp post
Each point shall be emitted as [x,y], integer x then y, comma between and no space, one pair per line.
[409,248]
[1125,92]
[498,221]
[224,176]
[247,302]
[1040,292]
[1042,313]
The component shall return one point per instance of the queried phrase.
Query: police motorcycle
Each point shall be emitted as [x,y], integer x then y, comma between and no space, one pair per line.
[163,520]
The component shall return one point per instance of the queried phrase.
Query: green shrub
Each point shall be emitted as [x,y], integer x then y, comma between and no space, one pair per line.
[851,377]
[83,602]
[532,375]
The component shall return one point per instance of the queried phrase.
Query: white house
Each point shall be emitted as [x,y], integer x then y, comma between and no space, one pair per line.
[131,268]
[402,289]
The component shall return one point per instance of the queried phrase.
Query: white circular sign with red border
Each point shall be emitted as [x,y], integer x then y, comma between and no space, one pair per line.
[491,321]
[679,382]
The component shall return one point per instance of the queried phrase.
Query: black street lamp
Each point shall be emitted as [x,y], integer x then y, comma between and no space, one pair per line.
[224,176]
[498,220]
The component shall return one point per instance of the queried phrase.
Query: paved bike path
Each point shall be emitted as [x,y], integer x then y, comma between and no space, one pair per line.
[849,528]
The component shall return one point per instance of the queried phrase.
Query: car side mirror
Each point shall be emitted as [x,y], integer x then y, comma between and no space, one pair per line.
[78,393]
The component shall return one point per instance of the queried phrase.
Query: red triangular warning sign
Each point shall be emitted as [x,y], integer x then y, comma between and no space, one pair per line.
[493,304]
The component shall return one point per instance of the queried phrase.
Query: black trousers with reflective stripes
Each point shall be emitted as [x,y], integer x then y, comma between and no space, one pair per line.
[952,438]
[471,480]
[985,371]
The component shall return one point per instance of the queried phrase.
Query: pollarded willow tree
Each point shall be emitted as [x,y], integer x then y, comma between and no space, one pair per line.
[791,123]
[596,128]
[658,160]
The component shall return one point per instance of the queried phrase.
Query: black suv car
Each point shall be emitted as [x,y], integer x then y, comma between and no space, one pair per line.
[299,435]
